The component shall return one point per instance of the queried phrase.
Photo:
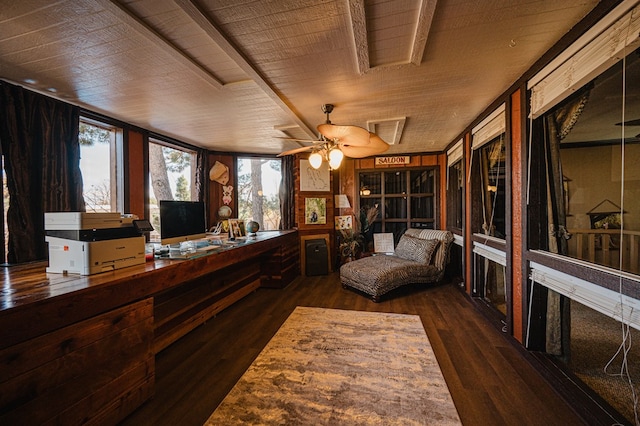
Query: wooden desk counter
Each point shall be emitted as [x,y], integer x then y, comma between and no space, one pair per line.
[76,347]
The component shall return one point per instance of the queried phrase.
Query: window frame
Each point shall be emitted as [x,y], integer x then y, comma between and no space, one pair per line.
[116,158]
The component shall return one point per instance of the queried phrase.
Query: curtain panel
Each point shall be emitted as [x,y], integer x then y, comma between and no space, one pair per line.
[39,137]
[287,194]
[558,124]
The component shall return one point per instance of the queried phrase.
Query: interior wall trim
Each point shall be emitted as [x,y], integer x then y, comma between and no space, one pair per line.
[455,153]
[608,302]
[491,253]
[587,58]
[489,128]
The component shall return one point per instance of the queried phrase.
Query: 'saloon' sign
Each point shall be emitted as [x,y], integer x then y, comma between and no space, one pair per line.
[388,161]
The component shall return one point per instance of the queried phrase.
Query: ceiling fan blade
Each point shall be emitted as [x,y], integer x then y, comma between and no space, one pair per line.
[295,150]
[376,146]
[348,135]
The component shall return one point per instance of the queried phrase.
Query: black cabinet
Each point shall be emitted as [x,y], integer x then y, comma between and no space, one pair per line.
[316,257]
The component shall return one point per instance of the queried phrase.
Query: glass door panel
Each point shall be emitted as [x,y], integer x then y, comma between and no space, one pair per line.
[422,181]
[370,184]
[395,183]
[395,208]
[422,207]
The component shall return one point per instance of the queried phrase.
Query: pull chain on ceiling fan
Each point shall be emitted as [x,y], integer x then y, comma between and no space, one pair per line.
[339,141]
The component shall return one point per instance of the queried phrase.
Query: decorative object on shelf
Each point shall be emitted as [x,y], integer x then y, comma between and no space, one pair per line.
[383,243]
[341,201]
[234,228]
[219,173]
[224,212]
[315,210]
[336,142]
[252,227]
[227,190]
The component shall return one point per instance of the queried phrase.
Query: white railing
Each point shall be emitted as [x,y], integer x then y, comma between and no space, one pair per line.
[602,246]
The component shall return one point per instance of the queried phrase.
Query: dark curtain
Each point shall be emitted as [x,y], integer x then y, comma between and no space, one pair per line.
[201,167]
[558,124]
[39,137]
[287,193]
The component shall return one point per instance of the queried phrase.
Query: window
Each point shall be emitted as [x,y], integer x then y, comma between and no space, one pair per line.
[455,195]
[172,174]
[583,203]
[258,191]
[492,180]
[99,164]
[594,191]
[405,199]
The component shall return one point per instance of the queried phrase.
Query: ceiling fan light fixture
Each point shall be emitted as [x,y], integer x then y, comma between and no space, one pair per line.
[315,159]
[335,158]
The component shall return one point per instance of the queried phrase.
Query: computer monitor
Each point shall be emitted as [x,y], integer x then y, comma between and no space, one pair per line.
[181,221]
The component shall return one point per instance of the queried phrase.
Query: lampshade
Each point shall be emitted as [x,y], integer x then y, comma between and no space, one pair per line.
[335,158]
[315,159]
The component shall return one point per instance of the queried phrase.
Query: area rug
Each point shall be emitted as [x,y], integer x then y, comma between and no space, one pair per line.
[340,367]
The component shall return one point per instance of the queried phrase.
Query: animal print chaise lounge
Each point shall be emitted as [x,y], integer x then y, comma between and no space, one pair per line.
[420,257]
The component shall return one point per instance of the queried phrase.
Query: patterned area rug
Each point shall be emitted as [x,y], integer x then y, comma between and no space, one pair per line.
[332,367]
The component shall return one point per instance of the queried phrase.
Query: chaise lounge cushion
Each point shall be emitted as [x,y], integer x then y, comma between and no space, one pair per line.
[378,275]
[416,249]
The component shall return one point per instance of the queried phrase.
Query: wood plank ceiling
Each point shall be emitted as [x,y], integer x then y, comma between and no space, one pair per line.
[235,75]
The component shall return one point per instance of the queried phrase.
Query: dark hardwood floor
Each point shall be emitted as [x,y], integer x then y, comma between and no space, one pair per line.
[490,379]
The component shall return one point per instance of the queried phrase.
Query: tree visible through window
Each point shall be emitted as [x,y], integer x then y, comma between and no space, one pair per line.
[257,192]
[99,177]
[171,171]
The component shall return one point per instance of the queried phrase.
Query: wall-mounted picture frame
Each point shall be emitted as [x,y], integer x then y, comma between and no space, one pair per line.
[344,222]
[315,211]
[314,180]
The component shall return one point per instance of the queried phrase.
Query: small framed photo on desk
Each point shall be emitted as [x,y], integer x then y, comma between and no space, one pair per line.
[236,230]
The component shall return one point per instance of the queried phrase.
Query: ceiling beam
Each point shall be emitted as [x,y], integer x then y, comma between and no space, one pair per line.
[126,16]
[358,19]
[218,37]
[425,17]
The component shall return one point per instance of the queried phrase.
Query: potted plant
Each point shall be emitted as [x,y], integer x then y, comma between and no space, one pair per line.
[350,243]
[368,215]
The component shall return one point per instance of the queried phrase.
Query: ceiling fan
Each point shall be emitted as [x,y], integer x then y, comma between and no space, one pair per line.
[338,141]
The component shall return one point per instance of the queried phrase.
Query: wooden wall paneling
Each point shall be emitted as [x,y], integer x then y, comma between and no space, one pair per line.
[429,160]
[137,171]
[215,189]
[517,220]
[100,368]
[366,163]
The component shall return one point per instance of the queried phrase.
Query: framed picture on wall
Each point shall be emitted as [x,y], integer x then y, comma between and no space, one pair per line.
[344,222]
[314,180]
[315,211]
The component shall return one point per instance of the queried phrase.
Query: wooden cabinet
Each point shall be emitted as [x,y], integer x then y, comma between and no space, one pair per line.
[98,369]
[81,349]
[181,309]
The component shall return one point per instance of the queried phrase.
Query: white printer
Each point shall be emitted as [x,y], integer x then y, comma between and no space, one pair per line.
[90,243]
